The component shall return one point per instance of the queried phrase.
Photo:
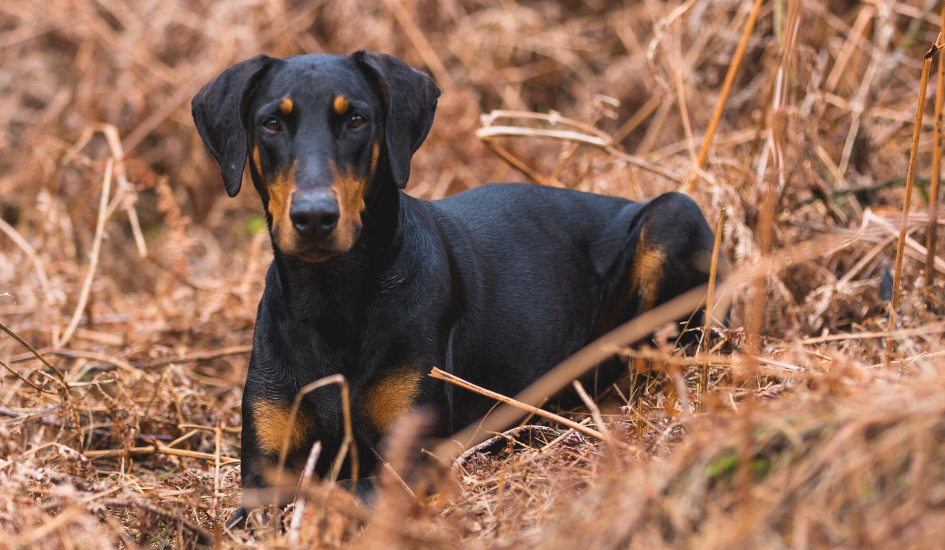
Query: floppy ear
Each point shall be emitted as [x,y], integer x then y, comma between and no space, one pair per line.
[218,110]
[410,97]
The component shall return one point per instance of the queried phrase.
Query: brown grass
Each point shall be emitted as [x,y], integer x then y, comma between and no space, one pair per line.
[130,281]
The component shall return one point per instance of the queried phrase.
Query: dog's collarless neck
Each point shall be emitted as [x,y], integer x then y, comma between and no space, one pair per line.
[347,281]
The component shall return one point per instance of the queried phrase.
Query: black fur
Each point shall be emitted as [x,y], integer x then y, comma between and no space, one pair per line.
[496,285]
[218,114]
[410,98]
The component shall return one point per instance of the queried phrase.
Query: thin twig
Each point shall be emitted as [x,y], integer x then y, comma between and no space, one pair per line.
[710,305]
[38,267]
[24,379]
[93,257]
[488,133]
[457,381]
[726,90]
[595,410]
[516,163]
[347,442]
[200,356]
[907,200]
[296,524]
[420,42]
[35,352]
[553,118]
[159,449]
[931,232]
[217,438]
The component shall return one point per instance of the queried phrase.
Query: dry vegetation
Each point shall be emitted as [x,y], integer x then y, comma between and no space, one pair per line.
[123,263]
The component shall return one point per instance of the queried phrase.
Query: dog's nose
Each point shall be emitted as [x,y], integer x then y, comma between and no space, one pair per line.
[314,219]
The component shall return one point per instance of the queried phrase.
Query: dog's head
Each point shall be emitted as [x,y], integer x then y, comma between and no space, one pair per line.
[319,132]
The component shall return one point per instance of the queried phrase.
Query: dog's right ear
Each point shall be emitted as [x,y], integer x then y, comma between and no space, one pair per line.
[219,112]
[410,98]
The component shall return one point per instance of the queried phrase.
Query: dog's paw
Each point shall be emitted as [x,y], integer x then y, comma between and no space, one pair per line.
[238,519]
[365,490]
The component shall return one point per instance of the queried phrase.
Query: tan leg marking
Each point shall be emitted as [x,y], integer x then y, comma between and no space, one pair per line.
[271,423]
[286,105]
[391,396]
[647,272]
[340,104]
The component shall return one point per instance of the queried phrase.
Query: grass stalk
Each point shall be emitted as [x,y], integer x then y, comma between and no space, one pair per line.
[907,200]
[726,90]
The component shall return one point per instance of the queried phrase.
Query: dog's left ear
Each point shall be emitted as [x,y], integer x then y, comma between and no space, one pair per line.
[410,97]
[218,110]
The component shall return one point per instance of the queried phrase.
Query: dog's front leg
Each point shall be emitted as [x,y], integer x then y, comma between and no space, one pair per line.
[267,428]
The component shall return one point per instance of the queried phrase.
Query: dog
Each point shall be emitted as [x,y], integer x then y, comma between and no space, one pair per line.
[496,284]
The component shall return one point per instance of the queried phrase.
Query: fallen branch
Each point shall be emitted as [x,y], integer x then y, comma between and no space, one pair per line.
[160,450]
[200,356]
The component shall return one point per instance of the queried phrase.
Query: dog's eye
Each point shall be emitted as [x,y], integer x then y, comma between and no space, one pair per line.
[355,120]
[272,124]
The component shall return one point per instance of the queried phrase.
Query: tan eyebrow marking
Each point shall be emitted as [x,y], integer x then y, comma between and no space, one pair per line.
[286,105]
[340,104]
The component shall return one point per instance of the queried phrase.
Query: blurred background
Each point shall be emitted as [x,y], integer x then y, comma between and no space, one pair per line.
[123,261]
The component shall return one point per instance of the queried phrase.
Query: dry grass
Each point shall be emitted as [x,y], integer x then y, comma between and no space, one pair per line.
[136,280]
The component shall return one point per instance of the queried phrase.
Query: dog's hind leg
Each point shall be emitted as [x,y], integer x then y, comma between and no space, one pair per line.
[666,251]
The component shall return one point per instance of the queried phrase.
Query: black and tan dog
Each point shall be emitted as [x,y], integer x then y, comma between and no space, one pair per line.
[495,285]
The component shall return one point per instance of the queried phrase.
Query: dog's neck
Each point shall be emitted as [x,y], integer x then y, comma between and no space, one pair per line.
[339,289]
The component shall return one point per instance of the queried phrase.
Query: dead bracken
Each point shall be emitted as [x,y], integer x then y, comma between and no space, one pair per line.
[129,282]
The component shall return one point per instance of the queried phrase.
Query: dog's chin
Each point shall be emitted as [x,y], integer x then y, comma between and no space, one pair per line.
[318,254]
[315,256]
[312,254]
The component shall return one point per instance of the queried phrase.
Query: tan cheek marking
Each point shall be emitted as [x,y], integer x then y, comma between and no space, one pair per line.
[286,105]
[257,160]
[340,104]
[391,397]
[280,191]
[647,272]
[271,423]
[350,192]
[375,153]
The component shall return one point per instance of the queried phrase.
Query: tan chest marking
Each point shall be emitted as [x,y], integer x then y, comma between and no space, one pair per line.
[646,272]
[391,396]
[271,423]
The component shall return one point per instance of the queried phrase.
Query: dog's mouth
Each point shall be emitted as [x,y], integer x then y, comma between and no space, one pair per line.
[322,251]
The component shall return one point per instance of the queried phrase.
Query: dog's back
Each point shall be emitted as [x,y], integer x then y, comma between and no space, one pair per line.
[545,270]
